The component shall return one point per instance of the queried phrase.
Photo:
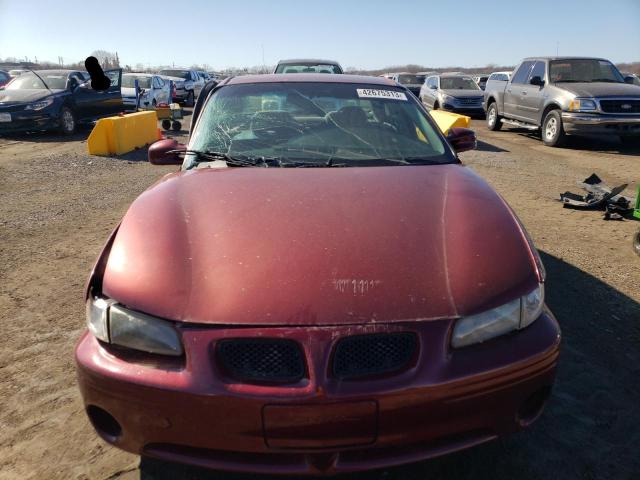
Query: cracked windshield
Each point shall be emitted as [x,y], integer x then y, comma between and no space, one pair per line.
[305,124]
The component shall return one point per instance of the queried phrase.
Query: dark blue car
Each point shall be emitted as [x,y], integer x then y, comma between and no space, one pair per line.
[56,99]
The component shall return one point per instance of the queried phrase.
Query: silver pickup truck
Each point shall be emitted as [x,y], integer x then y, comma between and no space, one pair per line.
[566,95]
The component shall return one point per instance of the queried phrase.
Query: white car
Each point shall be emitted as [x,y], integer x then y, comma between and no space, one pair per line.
[153,90]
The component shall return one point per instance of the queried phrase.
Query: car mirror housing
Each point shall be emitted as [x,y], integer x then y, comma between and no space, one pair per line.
[166,152]
[462,139]
[628,79]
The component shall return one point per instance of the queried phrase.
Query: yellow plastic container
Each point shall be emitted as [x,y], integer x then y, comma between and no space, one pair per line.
[119,135]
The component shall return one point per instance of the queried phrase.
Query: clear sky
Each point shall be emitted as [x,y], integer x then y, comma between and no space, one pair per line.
[363,34]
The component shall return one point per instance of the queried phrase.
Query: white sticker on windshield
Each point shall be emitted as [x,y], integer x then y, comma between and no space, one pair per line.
[373,93]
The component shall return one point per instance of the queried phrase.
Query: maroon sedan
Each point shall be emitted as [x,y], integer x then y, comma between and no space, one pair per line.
[321,288]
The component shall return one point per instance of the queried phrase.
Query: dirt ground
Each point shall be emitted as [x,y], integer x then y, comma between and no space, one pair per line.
[58,205]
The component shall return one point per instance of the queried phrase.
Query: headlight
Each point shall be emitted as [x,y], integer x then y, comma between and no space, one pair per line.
[582,105]
[39,105]
[112,323]
[506,318]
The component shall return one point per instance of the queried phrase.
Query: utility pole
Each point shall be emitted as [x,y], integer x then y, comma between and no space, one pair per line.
[557,47]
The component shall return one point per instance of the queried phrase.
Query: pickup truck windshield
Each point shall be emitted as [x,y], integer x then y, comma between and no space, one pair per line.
[307,68]
[176,73]
[458,83]
[410,79]
[583,70]
[318,124]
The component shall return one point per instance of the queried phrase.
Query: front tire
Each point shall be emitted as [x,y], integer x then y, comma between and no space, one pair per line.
[636,242]
[494,121]
[552,131]
[67,121]
[190,99]
[435,106]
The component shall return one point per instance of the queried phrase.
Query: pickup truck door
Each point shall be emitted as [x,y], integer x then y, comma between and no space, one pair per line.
[532,96]
[513,91]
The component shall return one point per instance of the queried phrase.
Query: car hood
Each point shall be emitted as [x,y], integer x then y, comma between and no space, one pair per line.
[258,246]
[10,97]
[454,92]
[600,89]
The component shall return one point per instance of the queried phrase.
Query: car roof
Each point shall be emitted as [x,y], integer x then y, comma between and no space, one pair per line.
[309,78]
[454,75]
[308,60]
[140,74]
[55,71]
[563,58]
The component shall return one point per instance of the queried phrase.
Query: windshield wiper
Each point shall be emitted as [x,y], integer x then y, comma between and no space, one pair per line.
[231,161]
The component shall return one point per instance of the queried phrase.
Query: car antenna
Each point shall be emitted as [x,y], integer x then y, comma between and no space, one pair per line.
[41,79]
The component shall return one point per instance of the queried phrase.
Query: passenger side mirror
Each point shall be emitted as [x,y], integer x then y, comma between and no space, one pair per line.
[462,139]
[536,81]
[629,79]
[166,152]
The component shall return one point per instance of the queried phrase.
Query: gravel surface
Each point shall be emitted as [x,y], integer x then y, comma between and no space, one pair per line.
[58,205]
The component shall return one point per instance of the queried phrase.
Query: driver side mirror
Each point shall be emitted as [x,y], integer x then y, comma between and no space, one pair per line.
[166,152]
[537,80]
[462,139]
[629,79]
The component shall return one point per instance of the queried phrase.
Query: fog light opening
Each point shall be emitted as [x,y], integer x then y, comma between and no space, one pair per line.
[532,407]
[104,422]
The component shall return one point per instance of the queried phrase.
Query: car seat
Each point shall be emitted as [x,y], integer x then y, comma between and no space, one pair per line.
[349,117]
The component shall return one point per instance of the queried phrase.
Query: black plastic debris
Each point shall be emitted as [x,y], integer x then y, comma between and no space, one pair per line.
[599,197]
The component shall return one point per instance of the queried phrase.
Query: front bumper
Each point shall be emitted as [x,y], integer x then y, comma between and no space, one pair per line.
[189,412]
[28,120]
[470,111]
[600,124]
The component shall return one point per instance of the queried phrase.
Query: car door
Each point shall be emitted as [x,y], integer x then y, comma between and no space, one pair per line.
[92,104]
[197,83]
[531,101]
[513,92]
[160,90]
[430,91]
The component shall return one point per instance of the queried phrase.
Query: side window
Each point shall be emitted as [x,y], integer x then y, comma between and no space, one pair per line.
[537,70]
[522,73]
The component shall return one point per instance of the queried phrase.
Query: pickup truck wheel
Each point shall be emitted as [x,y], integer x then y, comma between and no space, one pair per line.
[435,106]
[67,121]
[190,99]
[552,132]
[494,122]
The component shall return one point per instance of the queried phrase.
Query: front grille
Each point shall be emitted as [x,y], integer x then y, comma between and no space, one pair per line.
[469,101]
[261,359]
[620,106]
[366,355]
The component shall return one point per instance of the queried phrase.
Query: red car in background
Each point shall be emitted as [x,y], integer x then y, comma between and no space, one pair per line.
[323,287]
